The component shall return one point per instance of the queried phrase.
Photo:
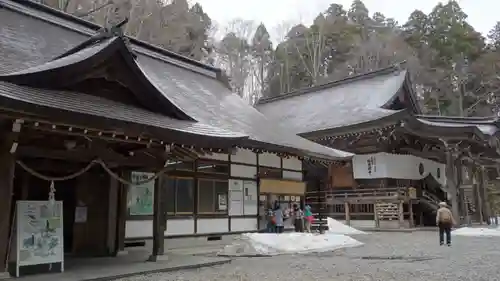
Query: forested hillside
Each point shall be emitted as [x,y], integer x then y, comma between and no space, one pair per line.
[454,67]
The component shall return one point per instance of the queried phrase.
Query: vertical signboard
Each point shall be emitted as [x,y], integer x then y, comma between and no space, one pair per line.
[39,233]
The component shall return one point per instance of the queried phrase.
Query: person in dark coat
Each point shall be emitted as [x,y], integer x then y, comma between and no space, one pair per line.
[298,218]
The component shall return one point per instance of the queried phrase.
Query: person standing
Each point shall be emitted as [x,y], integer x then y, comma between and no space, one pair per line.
[444,221]
[298,218]
[308,218]
[271,221]
[278,216]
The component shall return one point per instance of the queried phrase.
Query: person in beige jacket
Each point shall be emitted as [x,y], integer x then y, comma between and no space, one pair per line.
[445,221]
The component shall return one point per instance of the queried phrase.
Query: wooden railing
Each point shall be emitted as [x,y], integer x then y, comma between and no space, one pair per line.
[369,192]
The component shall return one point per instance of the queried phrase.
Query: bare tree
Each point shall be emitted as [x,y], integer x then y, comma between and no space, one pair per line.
[234,54]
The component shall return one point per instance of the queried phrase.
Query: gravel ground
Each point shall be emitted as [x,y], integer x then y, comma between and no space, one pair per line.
[385,256]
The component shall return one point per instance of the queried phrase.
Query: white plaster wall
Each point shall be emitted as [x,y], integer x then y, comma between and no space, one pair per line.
[216,156]
[243,171]
[136,229]
[140,229]
[206,226]
[180,227]
[243,224]
[292,164]
[244,156]
[269,160]
[289,175]
[397,166]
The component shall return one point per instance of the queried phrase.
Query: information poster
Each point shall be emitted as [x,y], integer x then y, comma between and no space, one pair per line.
[235,197]
[39,233]
[250,198]
[222,202]
[140,197]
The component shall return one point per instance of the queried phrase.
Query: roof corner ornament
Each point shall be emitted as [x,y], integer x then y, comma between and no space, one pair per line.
[115,30]
[102,34]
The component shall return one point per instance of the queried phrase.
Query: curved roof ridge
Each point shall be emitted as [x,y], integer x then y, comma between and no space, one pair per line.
[47,74]
[95,27]
[350,79]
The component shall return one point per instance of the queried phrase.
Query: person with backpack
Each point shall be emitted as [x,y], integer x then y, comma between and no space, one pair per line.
[444,221]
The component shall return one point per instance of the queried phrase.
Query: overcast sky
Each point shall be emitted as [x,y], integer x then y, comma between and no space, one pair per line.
[483,14]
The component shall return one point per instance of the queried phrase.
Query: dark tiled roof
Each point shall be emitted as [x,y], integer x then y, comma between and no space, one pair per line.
[207,100]
[339,104]
[95,106]
[190,86]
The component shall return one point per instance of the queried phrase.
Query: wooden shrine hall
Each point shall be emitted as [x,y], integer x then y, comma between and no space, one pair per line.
[82,108]
[405,162]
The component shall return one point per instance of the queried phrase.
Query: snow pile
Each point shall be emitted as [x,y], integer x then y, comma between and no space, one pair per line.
[478,232]
[271,244]
[334,226]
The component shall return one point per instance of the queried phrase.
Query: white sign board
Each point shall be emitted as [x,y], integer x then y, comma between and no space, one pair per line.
[250,205]
[39,233]
[235,197]
[396,166]
[369,166]
[81,214]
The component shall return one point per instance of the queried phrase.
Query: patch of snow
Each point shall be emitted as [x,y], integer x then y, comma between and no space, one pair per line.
[336,227]
[477,231]
[271,244]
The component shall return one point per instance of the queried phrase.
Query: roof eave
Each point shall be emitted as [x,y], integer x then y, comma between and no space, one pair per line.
[375,124]
[53,77]
[95,27]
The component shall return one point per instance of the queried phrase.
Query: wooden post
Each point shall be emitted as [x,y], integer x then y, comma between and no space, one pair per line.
[452,181]
[347,213]
[485,201]
[122,214]
[322,192]
[401,214]
[479,198]
[7,167]
[410,211]
[158,232]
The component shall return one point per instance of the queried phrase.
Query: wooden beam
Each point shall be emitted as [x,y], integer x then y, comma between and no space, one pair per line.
[8,144]
[410,211]
[86,155]
[347,213]
[158,230]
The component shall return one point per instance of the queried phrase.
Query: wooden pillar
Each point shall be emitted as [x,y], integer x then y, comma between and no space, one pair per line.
[321,195]
[347,213]
[410,211]
[158,229]
[401,214]
[452,183]
[7,167]
[485,199]
[462,197]
[113,203]
[478,188]
[122,213]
